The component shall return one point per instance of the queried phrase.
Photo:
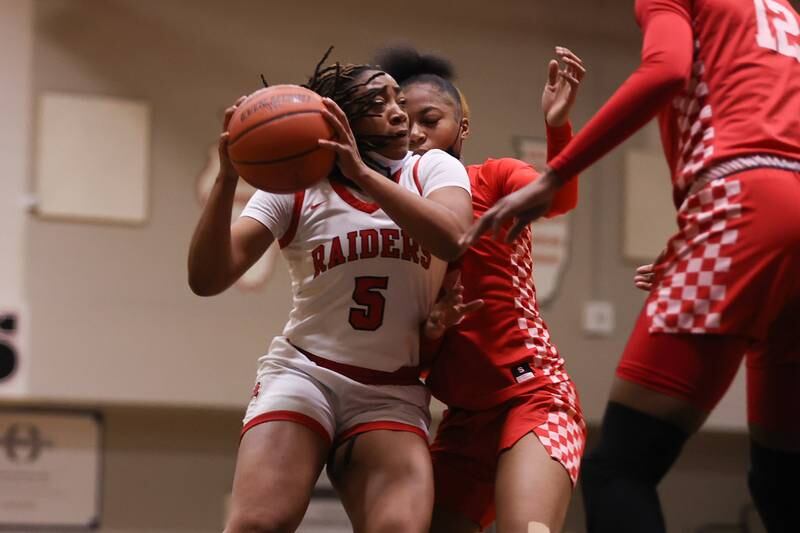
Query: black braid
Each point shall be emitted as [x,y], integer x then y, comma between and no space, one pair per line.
[338,82]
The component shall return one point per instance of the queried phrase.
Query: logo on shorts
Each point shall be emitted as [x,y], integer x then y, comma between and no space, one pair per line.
[256,389]
[522,372]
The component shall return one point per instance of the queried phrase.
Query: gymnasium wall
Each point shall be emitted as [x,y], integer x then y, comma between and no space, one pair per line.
[115,326]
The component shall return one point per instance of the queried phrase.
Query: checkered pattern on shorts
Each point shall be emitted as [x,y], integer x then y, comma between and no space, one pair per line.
[546,360]
[563,435]
[693,269]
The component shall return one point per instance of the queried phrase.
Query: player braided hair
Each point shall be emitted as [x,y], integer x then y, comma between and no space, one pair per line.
[340,83]
[408,66]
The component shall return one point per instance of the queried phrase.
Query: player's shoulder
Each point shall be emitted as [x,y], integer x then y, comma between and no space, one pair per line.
[437,166]
[435,157]
[644,8]
[497,168]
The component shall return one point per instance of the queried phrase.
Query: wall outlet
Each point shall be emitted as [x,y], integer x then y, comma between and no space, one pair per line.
[598,318]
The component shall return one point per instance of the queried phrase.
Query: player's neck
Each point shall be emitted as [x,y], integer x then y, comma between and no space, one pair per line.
[383,165]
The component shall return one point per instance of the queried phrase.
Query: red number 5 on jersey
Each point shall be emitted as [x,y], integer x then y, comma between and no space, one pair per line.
[366,294]
[785,24]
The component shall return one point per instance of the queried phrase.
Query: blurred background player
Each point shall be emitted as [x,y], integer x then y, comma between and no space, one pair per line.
[341,384]
[724,79]
[511,440]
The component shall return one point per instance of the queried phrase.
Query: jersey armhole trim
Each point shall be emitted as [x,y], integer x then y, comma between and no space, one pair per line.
[415,173]
[297,208]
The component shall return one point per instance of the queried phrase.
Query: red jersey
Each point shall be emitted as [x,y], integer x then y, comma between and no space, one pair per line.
[723,76]
[503,348]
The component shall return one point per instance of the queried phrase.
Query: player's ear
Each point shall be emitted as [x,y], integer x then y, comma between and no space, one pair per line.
[463,129]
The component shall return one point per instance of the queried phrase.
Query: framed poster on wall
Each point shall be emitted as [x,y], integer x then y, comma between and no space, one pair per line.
[50,469]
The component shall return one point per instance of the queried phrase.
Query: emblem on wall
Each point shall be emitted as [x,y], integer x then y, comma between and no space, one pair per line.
[550,249]
[261,272]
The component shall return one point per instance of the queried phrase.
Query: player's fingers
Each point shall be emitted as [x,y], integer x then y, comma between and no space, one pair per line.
[332,145]
[574,68]
[497,224]
[572,80]
[334,108]
[227,120]
[552,73]
[565,54]
[519,225]
[230,110]
[339,129]
[474,305]
[222,147]
[645,269]
[478,228]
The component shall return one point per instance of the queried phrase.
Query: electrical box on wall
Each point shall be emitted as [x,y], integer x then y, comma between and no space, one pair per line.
[598,318]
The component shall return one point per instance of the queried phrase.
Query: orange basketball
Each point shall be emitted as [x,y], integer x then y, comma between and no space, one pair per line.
[273,138]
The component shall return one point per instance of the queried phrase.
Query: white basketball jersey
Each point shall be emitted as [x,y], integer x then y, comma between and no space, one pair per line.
[361,285]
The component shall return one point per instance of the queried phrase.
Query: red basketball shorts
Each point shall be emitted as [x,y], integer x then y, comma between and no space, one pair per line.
[728,287]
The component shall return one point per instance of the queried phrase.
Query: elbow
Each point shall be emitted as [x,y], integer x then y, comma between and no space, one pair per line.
[674,81]
[202,287]
[451,250]
[674,76]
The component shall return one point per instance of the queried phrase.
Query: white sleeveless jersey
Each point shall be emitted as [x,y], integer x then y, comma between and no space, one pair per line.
[361,285]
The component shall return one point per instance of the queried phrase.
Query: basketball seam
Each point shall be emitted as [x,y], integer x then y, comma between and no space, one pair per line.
[279,160]
[231,142]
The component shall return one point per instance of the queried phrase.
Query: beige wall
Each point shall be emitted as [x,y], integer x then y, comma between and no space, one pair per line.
[115,322]
[16,28]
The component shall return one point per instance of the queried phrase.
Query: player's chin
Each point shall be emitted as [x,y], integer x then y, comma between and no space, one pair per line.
[395,147]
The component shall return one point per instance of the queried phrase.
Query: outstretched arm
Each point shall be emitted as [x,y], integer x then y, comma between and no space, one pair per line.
[665,68]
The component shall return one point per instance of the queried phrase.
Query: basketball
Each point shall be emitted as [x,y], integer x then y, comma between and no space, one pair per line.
[273,138]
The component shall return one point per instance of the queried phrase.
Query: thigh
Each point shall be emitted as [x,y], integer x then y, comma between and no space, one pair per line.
[385,481]
[676,377]
[773,384]
[445,521]
[464,455]
[531,488]
[278,462]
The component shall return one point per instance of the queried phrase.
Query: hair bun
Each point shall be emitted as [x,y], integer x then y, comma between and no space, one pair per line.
[403,62]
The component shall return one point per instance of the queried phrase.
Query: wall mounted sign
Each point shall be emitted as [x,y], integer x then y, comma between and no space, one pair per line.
[50,469]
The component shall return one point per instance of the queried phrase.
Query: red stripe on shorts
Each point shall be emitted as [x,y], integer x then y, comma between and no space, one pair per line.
[407,375]
[287,416]
[379,425]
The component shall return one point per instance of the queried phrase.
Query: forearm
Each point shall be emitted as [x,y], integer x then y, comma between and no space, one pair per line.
[211,261]
[665,67]
[435,226]
[558,137]
[567,196]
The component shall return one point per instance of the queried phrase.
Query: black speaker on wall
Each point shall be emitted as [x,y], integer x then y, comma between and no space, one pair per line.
[8,349]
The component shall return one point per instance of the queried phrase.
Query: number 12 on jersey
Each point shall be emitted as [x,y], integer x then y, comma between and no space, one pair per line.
[366,294]
[785,23]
